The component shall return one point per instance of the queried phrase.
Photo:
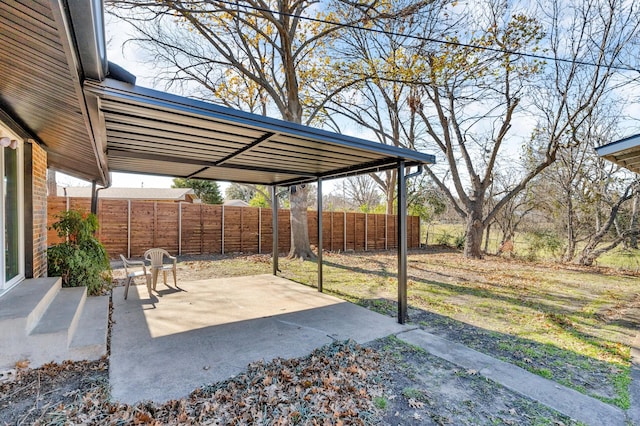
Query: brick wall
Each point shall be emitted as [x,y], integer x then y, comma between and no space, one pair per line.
[39,204]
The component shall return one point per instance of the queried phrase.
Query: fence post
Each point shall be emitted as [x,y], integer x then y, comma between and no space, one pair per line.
[355,231]
[331,243]
[259,230]
[375,231]
[222,249]
[344,231]
[241,229]
[366,231]
[155,222]
[201,231]
[386,232]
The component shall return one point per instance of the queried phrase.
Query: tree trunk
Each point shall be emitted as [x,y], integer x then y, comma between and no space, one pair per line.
[300,247]
[633,239]
[486,238]
[475,231]
[391,191]
[587,255]
[570,252]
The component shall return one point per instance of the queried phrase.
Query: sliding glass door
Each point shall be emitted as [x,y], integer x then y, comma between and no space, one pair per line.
[11,212]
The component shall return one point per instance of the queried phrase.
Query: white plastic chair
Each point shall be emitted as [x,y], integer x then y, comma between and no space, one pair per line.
[156,257]
[133,269]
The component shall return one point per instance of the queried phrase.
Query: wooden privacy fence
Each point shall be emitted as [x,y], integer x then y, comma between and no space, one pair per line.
[130,227]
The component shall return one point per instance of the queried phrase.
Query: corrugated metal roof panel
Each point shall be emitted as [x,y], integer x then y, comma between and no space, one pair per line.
[148,131]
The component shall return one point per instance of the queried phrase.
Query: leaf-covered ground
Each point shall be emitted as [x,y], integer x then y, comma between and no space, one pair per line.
[34,394]
[386,383]
[334,385]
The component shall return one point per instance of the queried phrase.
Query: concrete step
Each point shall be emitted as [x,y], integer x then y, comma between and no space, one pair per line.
[90,339]
[23,306]
[49,339]
[42,322]
[60,320]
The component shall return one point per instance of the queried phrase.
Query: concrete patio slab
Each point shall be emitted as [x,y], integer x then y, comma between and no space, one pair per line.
[165,345]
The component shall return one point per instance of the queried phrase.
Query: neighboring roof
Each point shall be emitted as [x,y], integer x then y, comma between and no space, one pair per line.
[625,152]
[171,194]
[235,203]
[58,86]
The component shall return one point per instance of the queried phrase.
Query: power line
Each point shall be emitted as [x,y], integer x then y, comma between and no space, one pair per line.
[430,39]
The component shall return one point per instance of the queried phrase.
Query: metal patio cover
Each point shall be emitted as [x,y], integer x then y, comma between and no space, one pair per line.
[625,152]
[148,131]
[58,88]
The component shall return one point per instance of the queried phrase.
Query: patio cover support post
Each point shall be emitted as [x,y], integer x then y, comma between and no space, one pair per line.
[274,205]
[320,235]
[402,244]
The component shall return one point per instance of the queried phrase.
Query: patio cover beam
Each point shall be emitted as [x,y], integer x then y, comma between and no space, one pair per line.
[246,148]
[193,161]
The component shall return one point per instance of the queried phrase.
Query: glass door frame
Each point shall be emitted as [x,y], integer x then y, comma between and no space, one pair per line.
[5,284]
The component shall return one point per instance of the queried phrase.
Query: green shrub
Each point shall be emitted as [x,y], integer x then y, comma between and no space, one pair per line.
[458,242]
[444,239]
[543,243]
[81,260]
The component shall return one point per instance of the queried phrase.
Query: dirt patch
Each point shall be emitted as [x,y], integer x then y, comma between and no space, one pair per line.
[422,389]
[593,377]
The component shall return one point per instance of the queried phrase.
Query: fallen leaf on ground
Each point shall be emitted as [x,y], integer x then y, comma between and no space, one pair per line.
[414,403]
[24,363]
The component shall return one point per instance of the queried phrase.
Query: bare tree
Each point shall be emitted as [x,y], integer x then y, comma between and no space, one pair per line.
[362,191]
[473,98]
[594,248]
[239,191]
[585,194]
[258,54]
[513,213]
[383,100]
